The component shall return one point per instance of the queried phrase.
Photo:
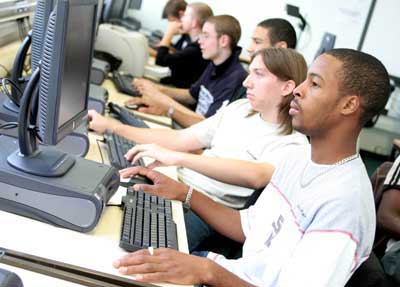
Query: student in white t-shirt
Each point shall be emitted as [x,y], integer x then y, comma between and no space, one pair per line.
[314,223]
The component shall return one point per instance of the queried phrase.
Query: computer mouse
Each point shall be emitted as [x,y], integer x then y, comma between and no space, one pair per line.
[135,106]
[9,279]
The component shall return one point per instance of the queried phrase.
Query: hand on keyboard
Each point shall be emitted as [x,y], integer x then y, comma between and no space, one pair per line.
[162,184]
[183,269]
[162,156]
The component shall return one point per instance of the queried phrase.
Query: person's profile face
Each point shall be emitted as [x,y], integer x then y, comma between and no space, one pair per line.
[209,41]
[259,40]
[187,20]
[264,89]
[315,104]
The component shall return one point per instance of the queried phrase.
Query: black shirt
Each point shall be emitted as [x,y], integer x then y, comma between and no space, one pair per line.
[186,65]
[218,84]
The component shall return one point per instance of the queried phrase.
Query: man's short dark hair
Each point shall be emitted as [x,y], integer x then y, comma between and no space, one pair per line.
[280,30]
[365,76]
[227,25]
[173,7]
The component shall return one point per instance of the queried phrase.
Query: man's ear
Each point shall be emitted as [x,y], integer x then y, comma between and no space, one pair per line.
[288,87]
[281,44]
[224,41]
[350,104]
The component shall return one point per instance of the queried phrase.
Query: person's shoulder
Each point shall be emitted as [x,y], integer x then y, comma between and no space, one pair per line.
[237,109]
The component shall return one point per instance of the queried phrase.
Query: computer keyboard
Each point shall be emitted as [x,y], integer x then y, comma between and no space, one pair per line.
[117,147]
[147,221]
[123,84]
[125,116]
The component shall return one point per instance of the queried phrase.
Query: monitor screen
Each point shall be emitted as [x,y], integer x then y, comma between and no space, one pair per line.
[113,10]
[77,56]
[135,4]
[65,70]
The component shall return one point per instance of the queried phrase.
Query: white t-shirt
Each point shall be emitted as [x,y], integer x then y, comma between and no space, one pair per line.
[313,225]
[231,133]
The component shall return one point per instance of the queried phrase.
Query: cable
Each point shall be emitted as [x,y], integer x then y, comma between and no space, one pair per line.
[8,125]
[101,154]
[6,70]
[12,97]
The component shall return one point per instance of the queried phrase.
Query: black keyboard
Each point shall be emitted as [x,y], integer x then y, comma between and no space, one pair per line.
[123,84]
[117,147]
[147,221]
[125,116]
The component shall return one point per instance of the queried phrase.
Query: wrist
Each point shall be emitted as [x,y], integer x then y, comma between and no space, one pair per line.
[115,127]
[186,203]
[209,273]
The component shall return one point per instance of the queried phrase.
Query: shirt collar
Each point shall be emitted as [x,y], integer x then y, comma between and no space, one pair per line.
[221,68]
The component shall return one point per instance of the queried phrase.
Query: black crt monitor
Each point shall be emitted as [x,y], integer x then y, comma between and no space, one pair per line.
[64,85]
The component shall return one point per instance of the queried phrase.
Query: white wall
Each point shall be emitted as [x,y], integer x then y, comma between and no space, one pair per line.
[345,18]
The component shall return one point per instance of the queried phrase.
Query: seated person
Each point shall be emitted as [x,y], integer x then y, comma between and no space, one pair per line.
[387,199]
[173,11]
[221,78]
[314,223]
[186,65]
[255,129]
[275,32]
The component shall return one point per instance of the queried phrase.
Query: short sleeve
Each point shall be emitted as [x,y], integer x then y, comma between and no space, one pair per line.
[205,130]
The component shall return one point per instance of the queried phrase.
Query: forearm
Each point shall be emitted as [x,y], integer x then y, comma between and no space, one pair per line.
[388,214]
[223,219]
[168,138]
[185,117]
[390,223]
[180,95]
[237,172]
[216,276]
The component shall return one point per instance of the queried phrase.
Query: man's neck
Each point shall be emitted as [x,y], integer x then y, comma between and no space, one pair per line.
[222,57]
[194,34]
[331,148]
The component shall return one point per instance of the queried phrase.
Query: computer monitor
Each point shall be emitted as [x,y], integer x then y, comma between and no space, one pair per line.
[327,43]
[113,10]
[64,84]
[40,20]
[135,4]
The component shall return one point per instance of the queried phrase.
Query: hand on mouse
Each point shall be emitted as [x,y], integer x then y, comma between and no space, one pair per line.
[162,185]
